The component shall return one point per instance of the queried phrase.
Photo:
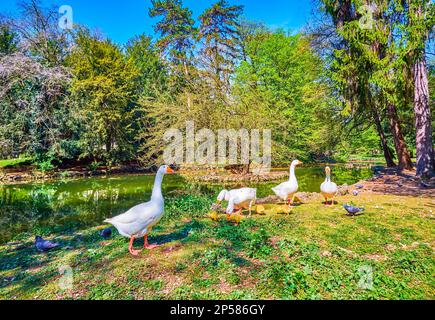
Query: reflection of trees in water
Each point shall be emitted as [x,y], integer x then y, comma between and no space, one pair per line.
[87,203]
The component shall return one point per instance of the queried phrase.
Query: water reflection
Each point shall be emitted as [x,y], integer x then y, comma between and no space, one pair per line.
[87,202]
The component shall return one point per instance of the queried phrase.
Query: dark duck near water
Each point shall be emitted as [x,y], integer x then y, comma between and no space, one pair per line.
[44,245]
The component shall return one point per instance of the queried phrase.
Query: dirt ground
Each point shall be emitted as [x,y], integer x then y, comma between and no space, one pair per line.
[390,181]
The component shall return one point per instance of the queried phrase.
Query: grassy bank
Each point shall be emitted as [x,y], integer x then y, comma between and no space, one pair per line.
[10,163]
[315,253]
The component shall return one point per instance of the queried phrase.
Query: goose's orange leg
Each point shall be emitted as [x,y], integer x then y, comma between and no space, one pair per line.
[130,248]
[146,245]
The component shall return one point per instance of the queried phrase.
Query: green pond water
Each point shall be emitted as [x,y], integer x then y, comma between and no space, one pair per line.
[38,207]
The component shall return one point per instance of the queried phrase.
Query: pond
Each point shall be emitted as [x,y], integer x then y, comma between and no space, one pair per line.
[87,202]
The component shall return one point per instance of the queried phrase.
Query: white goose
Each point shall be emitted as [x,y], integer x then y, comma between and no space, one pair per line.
[138,221]
[328,188]
[287,190]
[238,199]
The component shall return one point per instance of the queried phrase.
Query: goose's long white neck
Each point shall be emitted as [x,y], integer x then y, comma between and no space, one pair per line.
[157,189]
[292,173]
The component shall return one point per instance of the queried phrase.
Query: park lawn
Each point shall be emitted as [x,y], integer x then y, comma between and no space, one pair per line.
[316,252]
[8,163]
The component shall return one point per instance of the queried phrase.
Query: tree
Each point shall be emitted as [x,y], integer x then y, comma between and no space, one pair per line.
[365,62]
[8,40]
[103,86]
[421,22]
[34,117]
[177,34]
[153,73]
[40,34]
[219,30]
[151,85]
[280,86]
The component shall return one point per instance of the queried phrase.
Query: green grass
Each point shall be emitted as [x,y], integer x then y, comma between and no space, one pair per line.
[316,252]
[14,162]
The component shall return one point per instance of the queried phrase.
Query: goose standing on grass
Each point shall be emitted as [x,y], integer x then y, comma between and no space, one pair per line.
[139,220]
[287,190]
[328,188]
[238,200]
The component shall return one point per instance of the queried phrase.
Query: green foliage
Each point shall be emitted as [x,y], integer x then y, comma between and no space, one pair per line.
[8,40]
[34,119]
[282,78]
[153,73]
[104,83]
[45,162]
[219,30]
[176,29]
[78,96]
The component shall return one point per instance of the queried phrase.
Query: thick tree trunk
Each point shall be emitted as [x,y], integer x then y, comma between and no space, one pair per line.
[423,125]
[387,153]
[403,156]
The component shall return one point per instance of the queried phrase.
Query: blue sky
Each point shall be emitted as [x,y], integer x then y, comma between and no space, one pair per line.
[122,19]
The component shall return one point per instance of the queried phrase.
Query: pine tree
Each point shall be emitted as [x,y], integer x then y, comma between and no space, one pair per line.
[421,22]
[365,65]
[177,33]
[219,31]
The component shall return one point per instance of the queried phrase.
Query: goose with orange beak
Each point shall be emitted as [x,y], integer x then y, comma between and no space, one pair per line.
[328,188]
[287,190]
[139,220]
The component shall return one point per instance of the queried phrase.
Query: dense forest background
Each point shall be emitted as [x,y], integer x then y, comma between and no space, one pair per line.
[336,91]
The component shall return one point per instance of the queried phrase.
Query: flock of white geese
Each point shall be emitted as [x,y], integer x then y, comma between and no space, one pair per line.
[139,220]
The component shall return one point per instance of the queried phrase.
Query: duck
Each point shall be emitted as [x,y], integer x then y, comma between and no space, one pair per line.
[139,220]
[287,190]
[328,188]
[238,200]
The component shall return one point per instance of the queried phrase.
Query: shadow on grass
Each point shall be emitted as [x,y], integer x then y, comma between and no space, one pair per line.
[31,269]
[177,235]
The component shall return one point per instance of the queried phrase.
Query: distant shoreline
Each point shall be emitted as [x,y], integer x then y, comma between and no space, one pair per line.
[200,174]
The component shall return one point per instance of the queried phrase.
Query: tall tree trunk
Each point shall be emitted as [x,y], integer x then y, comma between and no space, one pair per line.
[403,155]
[423,125]
[189,99]
[387,153]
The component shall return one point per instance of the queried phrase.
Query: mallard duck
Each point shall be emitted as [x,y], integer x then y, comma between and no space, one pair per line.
[238,199]
[328,188]
[138,221]
[287,190]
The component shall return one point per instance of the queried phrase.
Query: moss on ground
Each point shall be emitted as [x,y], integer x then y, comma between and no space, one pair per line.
[316,252]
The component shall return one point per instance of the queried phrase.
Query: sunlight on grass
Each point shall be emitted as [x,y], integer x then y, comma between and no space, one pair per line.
[14,162]
[316,252]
